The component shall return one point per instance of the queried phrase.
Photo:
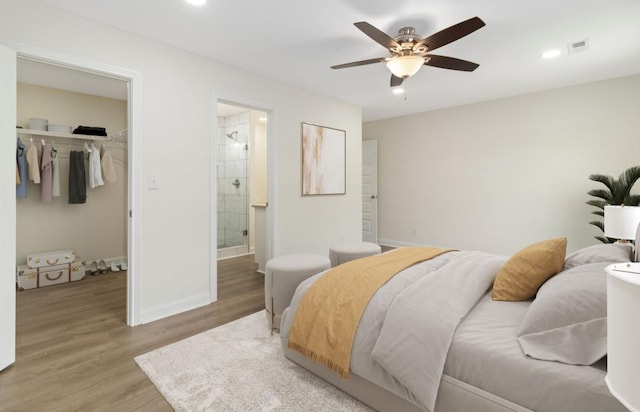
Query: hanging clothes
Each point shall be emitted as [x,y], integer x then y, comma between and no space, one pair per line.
[21,188]
[77,182]
[46,175]
[32,161]
[95,172]
[55,183]
[108,171]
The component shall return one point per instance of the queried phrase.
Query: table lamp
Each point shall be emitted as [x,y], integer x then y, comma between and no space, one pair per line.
[622,223]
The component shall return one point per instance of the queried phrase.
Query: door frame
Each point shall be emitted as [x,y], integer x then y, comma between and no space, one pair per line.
[8,207]
[272,165]
[134,97]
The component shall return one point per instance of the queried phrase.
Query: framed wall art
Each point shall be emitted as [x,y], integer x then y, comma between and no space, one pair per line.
[323,160]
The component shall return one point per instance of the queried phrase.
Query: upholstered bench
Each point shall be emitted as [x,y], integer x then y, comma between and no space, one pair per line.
[344,252]
[283,274]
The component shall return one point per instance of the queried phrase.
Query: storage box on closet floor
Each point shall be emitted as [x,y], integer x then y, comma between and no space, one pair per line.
[49,268]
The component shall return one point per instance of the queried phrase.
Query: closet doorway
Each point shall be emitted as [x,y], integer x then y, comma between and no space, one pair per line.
[100,229]
[241,170]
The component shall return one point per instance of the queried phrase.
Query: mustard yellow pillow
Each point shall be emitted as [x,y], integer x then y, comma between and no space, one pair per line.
[521,276]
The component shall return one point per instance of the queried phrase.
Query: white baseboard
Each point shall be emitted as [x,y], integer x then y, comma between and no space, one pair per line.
[173,308]
[233,251]
[397,243]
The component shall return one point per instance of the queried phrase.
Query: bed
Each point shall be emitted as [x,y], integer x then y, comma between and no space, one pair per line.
[433,338]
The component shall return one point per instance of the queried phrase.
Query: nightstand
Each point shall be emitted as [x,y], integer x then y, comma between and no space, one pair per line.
[623,333]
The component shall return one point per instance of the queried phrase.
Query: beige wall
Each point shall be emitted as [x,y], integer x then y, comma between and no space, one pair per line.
[499,175]
[98,228]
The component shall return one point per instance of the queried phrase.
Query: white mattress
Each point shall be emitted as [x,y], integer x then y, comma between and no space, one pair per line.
[485,353]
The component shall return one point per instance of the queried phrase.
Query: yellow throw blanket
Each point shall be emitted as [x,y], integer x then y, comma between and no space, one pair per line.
[325,323]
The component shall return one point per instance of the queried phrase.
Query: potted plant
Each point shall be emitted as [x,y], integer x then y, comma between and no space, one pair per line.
[617,192]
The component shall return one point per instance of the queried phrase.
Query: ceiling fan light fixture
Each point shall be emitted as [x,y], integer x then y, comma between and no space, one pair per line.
[405,66]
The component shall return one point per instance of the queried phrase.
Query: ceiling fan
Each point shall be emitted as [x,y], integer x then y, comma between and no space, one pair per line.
[409,51]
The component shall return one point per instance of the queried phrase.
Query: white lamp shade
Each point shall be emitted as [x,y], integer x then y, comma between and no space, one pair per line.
[621,222]
[405,66]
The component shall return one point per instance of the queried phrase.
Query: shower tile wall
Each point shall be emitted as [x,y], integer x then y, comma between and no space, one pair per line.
[233,200]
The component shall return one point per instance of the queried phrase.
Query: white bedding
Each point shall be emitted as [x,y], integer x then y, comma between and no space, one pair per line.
[454,279]
[484,351]
[410,327]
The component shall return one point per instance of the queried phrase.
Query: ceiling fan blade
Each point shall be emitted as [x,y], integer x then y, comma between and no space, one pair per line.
[451,34]
[396,81]
[452,63]
[359,63]
[377,35]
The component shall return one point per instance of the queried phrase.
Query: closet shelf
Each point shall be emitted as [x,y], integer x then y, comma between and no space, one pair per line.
[41,133]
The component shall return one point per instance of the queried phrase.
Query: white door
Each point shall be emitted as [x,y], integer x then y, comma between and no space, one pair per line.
[7,207]
[370,191]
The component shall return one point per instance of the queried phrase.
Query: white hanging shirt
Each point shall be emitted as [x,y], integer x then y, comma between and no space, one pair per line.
[33,162]
[108,171]
[95,172]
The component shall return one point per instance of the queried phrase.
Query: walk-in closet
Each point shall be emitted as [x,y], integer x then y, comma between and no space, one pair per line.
[52,102]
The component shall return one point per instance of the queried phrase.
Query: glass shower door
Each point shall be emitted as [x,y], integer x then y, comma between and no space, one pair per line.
[233,186]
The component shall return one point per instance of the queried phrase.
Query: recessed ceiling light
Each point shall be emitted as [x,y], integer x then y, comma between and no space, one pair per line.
[196,2]
[398,90]
[262,119]
[550,54]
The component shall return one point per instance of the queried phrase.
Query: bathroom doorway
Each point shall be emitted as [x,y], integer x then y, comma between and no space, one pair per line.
[241,177]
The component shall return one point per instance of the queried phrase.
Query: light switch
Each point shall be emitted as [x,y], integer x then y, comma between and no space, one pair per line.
[153,182]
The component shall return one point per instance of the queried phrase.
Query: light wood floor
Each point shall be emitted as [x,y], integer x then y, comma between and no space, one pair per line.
[74,351]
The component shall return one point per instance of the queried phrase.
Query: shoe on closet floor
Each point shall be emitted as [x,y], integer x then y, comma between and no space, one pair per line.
[93,268]
[102,266]
[114,267]
[123,265]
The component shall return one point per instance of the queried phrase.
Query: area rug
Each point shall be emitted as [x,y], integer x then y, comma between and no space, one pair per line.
[239,367]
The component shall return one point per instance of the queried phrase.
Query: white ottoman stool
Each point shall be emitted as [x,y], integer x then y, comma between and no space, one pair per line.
[283,274]
[344,252]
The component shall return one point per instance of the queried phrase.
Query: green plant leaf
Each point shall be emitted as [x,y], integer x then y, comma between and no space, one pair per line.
[597,224]
[600,193]
[632,200]
[626,181]
[605,180]
[597,203]
[598,212]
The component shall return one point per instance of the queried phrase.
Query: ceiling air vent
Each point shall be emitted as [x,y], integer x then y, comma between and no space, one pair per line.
[578,46]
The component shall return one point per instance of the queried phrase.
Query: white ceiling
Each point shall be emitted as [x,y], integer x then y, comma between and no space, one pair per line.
[296,41]
[44,74]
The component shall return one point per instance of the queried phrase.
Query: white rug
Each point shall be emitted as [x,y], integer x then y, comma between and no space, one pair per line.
[239,367]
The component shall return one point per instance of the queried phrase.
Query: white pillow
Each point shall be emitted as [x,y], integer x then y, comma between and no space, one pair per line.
[567,321]
[606,252]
